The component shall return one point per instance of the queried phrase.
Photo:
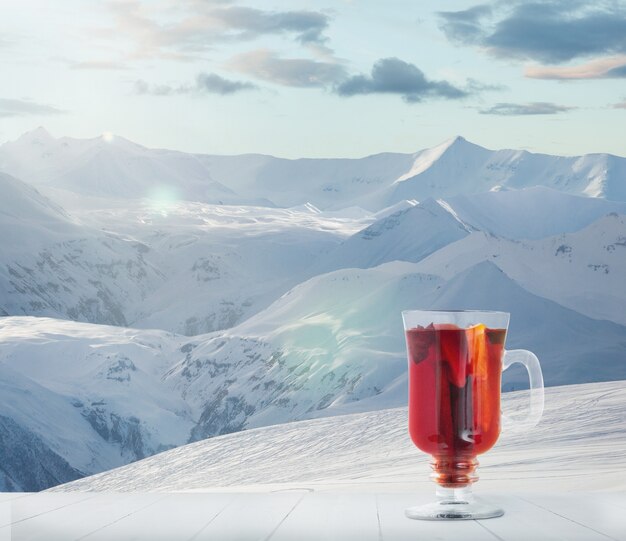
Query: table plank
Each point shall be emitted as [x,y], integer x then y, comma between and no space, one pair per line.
[82,520]
[394,525]
[252,517]
[8,496]
[331,516]
[175,517]
[5,518]
[36,504]
[307,516]
[583,509]
[523,521]
[612,499]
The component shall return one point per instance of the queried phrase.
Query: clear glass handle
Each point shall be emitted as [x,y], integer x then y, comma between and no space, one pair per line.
[530,361]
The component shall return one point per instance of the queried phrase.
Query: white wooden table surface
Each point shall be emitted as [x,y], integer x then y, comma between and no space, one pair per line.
[301,515]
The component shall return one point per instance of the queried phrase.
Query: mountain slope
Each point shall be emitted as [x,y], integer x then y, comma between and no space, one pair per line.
[409,234]
[28,219]
[28,465]
[330,184]
[186,267]
[45,438]
[336,342]
[531,213]
[582,270]
[50,264]
[92,394]
[581,426]
[558,336]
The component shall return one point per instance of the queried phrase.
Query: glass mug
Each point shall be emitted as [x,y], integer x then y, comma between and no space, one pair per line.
[456,361]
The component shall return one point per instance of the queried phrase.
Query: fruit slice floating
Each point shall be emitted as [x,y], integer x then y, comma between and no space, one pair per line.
[479,354]
[483,384]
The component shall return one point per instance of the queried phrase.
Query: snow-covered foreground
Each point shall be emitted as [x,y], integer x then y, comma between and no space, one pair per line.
[579,445]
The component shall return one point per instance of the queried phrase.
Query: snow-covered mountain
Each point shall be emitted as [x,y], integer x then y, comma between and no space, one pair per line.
[583,270]
[194,268]
[337,339]
[51,264]
[408,234]
[332,345]
[531,213]
[30,220]
[460,167]
[186,267]
[285,303]
[222,264]
[113,167]
[91,396]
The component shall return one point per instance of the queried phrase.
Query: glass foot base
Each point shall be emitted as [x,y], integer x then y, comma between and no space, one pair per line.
[454,505]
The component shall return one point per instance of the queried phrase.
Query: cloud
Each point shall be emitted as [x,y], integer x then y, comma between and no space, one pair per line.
[534,108]
[210,82]
[202,25]
[297,72]
[618,72]
[394,76]
[141,88]
[205,83]
[551,32]
[474,87]
[620,105]
[307,26]
[10,108]
[601,68]
[464,26]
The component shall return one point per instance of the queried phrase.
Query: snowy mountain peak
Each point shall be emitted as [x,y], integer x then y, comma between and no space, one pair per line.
[453,143]
[458,146]
[458,141]
[38,136]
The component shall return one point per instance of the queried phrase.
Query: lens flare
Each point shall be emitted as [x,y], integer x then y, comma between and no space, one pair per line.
[163,199]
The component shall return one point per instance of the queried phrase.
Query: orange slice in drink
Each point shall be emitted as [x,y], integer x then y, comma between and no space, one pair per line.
[479,355]
[479,366]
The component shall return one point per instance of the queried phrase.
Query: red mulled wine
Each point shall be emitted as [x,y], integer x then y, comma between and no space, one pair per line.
[454,396]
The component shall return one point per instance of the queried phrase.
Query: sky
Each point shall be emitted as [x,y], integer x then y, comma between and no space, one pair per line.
[298,78]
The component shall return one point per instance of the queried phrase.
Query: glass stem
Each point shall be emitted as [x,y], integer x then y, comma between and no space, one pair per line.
[451,496]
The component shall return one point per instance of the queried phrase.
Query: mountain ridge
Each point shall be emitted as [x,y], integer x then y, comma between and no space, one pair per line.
[373,182]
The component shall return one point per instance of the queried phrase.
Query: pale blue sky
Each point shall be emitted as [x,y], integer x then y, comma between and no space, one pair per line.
[295,78]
